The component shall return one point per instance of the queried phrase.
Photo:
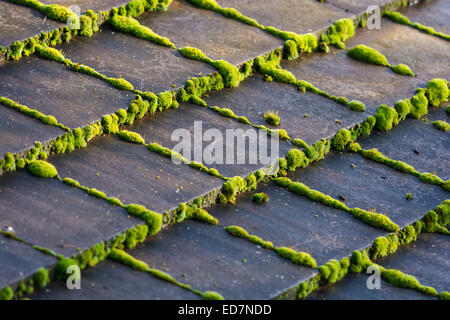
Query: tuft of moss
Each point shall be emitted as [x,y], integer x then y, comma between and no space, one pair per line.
[231,188]
[339,32]
[408,196]
[130,136]
[6,293]
[403,108]
[212,295]
[151,218]
[400,279]
[42,169]
[61,268]
[290,51]
[272,118]
[341,139]
[126,259]
[356,105]
[333,270]
[41,278]
[386,118]
[120,83]
[301,258]
[437,91]
[403,69]
[272,68]
[260,197]
[419,104]
[441,125]
[295,159]
[367,54]
[202,215]
[359,261]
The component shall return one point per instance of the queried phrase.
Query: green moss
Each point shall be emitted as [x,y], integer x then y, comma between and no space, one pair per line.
[354,147]
[57,12]
[272,68]
[151,218]
[6,293]
[340,31]
[400,279]
[403,69]
[375,155]
[437,91]
[356,105]
[212,295]
[50,53]
[120,83]
[441,125]
[110,124]
[382,246]
[126,259]
[296,159]
[374,219]
[202,215]
[306,287]
[230,74]
[60,269]
[130,25]
[367,54]
[419,105]
[386,118]
[333,270]
[301,258]
[272,118]
[341,139]
[15,51]
[135,236]
[131,137]
[359,261]
[115,201]
[445,295]
[237,231]
[408,196]
[41,278]
[403,108]
[290,51]
[260,197]
[232,187]
[42,169]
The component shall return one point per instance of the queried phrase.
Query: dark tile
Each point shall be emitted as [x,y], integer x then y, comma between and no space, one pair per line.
[19,23]
[371,185]
[73,98]
[162,128]
[254,97]
[112,281]
[290,220]
[434,14]
[19,132]
[301,16]
[19,261]
[208,258]
[53,215]
[219,37]
[149,67]
[130,172]
[357,6]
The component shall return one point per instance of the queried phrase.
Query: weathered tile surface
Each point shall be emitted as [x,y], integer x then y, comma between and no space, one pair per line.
[73,98]
[112,281]
[88,4]
[435,14]
[219,37]
[208,258]
[18,131]
[50,214]
[254,97]
[147,66]
[357,6]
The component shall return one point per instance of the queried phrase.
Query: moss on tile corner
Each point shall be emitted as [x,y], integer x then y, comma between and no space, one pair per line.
[339,32]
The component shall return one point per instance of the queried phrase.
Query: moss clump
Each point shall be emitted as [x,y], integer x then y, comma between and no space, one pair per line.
[201,215]
[272,118]
[301,258]
[125,259]
[306,287]
[50,53]
[237,231]
[408,196]
[290,51]
[6,293]
[445,295]
[341,139]
[382,246]
[367,54]
[354,147]
[130,136]
[212,295]
[260,197]
[58,13]
[377,220]
[296,159]
[359,261]
[375,155]
[231,188]
[403,108]
[41,278]
[419,104]
[151,218]
[272,67]
[441,125]
[120,83]
[403,69]
[340,31]
[130,25]
[42,169]
[356,105]
[400,279]
[61,268]
[437,91]
[386,118]
[333,270]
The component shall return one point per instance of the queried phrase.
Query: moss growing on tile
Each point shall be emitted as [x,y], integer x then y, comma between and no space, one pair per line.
[50,53]
[367,54]
[419,104]
[333,270]
[296,159]
[201,215]
[290,51]
[403,108]
[400,279]
[400,18]
[120,83]
[61,267]
[339,32]
[441,125]
[130,25]
[272,118]
[126,259]
[212,295]
[386,118]
[6,293]
[272,67]
[359,261]
[341,139]
[437,91]
[356,105]
[301,258]
[131,136]
[260,197]
[41,278]
[231,188]
[42,169]
[151,218]
[402,69]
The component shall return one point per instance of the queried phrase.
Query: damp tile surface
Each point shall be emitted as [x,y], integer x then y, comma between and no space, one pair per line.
[149,67]
[370,185]
[303,115]
[161,126]
[19,260]
[130,172]
[417,143]
[435,14]
[111,280]
[357,6]
[301,16]
[19,132]
[84,5]
[428,259]
[53,215]
[211,259]
[74,99]
[217,36]
[19,23]
[290,220]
